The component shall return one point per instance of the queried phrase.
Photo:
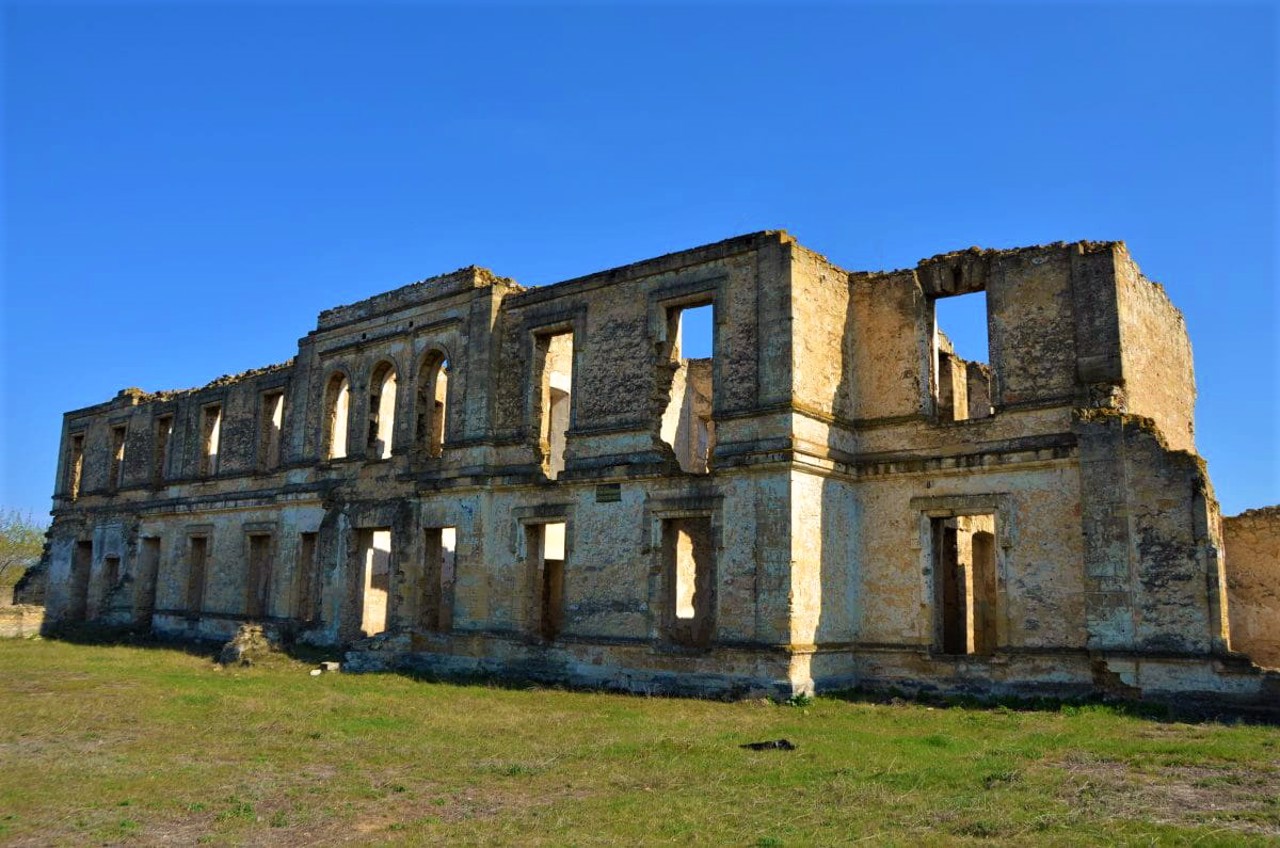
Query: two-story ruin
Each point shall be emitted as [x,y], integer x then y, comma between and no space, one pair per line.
[466,475]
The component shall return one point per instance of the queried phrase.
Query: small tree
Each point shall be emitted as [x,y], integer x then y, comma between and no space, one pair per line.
[21,541]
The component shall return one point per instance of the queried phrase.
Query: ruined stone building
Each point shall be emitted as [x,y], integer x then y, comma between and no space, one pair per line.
[466,475]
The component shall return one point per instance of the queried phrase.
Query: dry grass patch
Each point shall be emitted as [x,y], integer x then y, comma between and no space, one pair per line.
[132,745]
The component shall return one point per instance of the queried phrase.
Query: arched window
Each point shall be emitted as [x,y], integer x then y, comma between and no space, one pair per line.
[337,406]
[433,392]
[382,410]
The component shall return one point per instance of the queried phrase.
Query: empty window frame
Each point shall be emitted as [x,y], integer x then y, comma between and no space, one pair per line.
[438,578]
[688,550]
[210,439]
[160,450]
[553,371]
[197,565]
[270,430]
[687,424]
[261,560]
[78,585]
[545,548]
[965,594]
[382,411]
[145,588]
[961,353]
[307,606]
[115,473]
[336,418]
[375,584]
[431,405]
[75,465]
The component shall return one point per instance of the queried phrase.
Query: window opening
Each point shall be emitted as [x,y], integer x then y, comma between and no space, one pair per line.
[75,465]
[555,379]
[382,411]
[116,475]
[375,556]
[258,580]
[439,573]
[148,572]
[965,576]
[433,393]
[545,544]
[308,602]
[210,436]
[687,424]
[197,561]
[160,453]
[270,430]
[81,563]
[690,569]
[337,409]
[961,357]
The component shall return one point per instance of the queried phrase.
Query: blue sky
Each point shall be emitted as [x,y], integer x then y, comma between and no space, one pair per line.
[185,186]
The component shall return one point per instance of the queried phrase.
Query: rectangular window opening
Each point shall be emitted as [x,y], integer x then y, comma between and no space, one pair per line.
[555,380]
[258,579]
[81,564]
[961,358]
[148,572]
[270,430]
[690,568]
[439,575]
[308,603]
[75,465]
[160,452]
[687,423]
[375,557]
[116,474]
[965,584]
[210,436]
[545,544]
[197,562]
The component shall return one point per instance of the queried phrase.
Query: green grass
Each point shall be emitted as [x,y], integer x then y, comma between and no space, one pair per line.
[135,745]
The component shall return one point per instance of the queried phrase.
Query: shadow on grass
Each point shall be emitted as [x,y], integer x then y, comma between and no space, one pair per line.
[89,633]
[1187,711]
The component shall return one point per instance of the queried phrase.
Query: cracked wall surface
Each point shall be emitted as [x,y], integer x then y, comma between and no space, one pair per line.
[796,511]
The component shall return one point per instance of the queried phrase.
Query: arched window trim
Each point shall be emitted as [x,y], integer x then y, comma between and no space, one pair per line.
[334,384]
[380,442]
[432,426]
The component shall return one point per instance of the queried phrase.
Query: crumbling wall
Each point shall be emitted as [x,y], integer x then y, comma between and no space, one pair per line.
[1151,547]
[1252,542]
[887,348]
[828,540]
[1159,376]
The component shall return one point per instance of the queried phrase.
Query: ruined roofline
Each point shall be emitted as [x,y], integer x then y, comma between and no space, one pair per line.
[1258,512]
[134,396]
[663,264]
[431,288]
[966,270]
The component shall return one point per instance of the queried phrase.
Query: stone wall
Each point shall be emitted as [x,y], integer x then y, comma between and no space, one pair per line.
[832,498]
[19,621]
[1253,583]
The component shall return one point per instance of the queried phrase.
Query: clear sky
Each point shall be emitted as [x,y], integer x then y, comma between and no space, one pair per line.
[186,186]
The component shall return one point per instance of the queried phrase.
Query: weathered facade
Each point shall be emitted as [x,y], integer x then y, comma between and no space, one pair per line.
[466,475]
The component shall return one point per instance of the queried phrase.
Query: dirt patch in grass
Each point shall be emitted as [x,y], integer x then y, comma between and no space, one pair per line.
[1244,800]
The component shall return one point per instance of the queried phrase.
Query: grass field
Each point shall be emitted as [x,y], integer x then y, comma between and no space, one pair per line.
[109,744]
